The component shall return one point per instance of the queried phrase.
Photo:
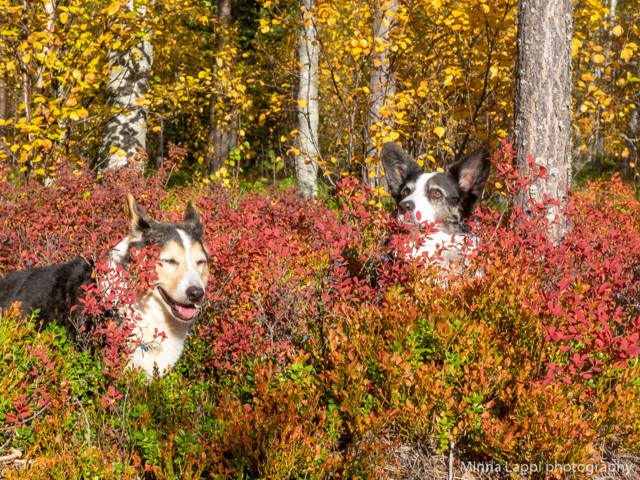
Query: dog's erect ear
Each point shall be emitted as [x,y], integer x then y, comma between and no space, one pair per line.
[471,173]
[192,220]
[139,221]
[398,167]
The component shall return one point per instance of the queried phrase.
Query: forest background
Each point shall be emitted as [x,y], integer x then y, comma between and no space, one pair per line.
[100,82]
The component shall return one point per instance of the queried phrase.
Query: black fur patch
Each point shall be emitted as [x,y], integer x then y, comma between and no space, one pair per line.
[399,169]
[451,196]
[53,290]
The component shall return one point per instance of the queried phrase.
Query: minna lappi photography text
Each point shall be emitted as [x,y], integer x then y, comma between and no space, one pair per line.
[609,470]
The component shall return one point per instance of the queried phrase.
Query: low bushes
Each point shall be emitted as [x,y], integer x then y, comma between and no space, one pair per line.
[322,349]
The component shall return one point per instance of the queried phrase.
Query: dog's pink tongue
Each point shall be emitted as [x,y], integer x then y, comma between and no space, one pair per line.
[186,311]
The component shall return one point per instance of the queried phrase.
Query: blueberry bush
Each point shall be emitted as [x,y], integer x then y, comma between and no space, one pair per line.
[323,347]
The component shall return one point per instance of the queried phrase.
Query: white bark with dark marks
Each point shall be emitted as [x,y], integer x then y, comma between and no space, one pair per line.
[308,117]
[3,103]
[128,84]
[222,134]
[543,100]
[382,81]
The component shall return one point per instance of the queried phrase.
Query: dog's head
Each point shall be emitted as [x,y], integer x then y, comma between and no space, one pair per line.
[182,264]
[426,197]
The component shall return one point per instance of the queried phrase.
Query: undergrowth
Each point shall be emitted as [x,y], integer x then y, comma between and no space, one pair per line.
[322,347]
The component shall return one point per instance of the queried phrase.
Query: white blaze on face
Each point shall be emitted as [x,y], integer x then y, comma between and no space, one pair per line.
[182,266]
[419,198]
[194,258]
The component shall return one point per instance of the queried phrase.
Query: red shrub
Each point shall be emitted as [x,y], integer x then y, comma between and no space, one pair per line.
[324,338]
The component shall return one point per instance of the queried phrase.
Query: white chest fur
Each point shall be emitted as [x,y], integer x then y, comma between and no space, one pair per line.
[447,251]
[157,353]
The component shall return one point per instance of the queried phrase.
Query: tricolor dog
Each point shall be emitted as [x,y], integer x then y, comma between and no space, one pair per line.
[447,199]
[171,306]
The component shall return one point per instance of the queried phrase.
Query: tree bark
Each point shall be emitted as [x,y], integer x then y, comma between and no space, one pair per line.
[3,113]
[308,117]
[633,130]
[221,139]
[613,5]
[50,9]
[543,101]
[382,83]
[633,140]
[128,82]
[161,140]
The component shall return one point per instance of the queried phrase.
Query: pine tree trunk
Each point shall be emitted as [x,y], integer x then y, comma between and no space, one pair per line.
[221,138]
[308,117]
[128,82]
[543,100]
[382,83]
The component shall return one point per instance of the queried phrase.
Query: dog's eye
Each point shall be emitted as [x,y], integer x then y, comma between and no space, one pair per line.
[201,262]
[405,191]
[436,193]
[169,261]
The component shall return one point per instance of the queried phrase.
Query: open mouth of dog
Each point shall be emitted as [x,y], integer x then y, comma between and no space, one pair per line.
[185,312]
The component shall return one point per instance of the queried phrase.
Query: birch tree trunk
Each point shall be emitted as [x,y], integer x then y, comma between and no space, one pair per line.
[308,117]
[633,138]
[128,82]
[382,83]
[543,101]
[50,9]
[613,5]
[3,111]
[221,139]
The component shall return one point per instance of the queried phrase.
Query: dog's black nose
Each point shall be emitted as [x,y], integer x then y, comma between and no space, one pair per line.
[406,206]
[195,294]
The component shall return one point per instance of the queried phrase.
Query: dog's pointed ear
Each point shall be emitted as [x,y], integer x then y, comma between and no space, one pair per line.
[139,221]
[471,173]
[192,219]
[398,167]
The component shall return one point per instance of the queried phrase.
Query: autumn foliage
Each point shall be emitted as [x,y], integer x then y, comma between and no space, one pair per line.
[452,63]
[323,349]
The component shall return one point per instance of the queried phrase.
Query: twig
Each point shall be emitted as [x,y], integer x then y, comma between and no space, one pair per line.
[4,429]
[498,223]
[86,419]
[14,455]
[452,445]
[632,140]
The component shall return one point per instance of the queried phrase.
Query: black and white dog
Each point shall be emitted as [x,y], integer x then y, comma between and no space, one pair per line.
[170,306]
[448,198]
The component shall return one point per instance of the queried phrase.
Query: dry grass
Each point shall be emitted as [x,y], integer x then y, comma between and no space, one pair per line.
[419,460]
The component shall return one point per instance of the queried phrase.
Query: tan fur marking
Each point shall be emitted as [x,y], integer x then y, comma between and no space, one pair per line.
[130,210]
[169,276]
[135,214]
